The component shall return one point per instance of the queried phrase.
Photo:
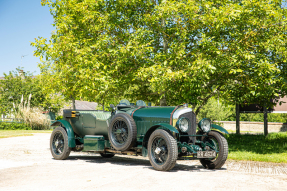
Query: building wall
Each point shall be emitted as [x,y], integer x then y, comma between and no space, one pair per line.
[254,126]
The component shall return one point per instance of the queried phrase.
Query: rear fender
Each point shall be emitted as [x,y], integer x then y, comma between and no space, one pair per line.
[172,130]
[67,126]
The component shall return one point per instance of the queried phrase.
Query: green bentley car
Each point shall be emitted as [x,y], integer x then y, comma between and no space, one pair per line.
[164,134]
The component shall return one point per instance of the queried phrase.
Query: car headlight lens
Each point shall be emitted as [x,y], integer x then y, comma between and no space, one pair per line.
[205,125]
[183,124]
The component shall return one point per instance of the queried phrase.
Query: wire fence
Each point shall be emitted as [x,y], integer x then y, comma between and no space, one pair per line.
[11,120]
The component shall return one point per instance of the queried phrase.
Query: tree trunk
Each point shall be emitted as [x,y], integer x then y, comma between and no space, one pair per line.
[265,122]
[237,119]
[74,103]
[162,102]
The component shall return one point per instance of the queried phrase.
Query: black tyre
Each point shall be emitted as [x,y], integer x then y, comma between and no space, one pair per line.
[122,132]
[59,144]
[162,150]
[220,143]
[107,155]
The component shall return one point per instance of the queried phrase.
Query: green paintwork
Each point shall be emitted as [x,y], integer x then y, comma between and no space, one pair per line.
[219,128]
[94,143]
[147,118]
[167,127]
[190,148]
[70,132]
[153,112]
[107,144]
[91,123]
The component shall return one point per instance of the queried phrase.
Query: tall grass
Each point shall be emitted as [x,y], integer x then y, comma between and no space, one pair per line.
[34,118]
[31,116]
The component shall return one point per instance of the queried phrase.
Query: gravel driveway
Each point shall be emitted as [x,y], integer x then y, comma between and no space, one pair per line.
[27,164]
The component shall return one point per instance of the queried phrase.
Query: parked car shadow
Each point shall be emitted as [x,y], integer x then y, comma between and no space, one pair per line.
[132,161]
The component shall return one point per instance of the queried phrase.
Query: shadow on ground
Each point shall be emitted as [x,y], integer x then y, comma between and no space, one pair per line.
[128,161]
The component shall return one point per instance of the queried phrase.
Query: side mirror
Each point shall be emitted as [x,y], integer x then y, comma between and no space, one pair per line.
[113,107]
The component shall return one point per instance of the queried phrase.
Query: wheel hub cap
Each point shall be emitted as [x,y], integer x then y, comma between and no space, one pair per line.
[157,150]
[57,143]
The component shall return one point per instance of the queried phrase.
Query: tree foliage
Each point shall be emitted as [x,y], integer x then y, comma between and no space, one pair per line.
[216,110]
[173,50]
[26,90]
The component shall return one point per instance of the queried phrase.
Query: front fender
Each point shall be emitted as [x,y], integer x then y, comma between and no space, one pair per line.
[164,126]
[219,128]
[69,130]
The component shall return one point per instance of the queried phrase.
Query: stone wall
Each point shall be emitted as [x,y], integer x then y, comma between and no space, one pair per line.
[246,126]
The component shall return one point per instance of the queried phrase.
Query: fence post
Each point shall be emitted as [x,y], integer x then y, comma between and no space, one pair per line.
[265,122]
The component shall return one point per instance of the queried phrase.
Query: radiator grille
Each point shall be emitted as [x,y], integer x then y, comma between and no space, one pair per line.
[192,131]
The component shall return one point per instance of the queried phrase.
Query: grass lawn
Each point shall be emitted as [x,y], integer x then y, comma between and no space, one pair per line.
[250,147]
[17,133]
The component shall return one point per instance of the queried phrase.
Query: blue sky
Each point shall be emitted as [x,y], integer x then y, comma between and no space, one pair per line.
[21,22]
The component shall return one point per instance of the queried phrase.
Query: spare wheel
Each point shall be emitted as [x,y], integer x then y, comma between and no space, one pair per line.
[122,132]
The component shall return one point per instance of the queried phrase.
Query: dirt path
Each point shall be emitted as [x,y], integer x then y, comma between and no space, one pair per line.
[27,164]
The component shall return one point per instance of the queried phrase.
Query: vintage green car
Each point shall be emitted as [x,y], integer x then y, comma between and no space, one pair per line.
[164,134]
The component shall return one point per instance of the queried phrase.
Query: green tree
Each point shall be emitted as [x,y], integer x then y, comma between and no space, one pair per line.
[19,89]
[167,51]
[216,110]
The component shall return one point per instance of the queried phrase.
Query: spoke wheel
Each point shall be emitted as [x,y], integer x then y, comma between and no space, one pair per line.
[216,141]
[162,150]
[122,132]
[59,144]
[159,151]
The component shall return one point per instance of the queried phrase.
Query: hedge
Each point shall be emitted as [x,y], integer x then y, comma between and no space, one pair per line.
[14,126]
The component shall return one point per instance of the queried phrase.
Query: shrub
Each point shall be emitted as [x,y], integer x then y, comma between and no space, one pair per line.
[14,126]
[59,117]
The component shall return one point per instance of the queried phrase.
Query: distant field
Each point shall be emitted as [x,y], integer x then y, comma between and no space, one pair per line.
[17,133]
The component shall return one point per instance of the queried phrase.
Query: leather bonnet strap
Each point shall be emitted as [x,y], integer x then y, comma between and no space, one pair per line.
[136,109]
[170,121]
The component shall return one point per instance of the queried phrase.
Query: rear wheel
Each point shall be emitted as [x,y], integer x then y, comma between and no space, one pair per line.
[59,144]
[162,150]
[218,141]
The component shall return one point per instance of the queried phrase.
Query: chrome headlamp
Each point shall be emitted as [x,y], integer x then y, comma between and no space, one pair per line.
[205,125]
[183,124]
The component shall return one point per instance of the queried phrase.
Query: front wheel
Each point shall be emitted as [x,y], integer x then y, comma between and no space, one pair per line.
[218,141]
[162,150]
[59,144]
